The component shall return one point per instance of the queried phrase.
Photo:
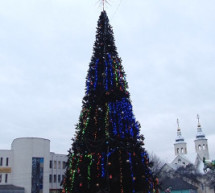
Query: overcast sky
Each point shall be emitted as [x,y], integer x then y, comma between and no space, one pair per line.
[167,48]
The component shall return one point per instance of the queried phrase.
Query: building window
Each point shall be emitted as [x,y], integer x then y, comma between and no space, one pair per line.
[50,178]
[55,178]
[58,179]
[203,147]
[5,178]
[7,161]
[182,150]
[178,150]
[1,161]
[0,178]
[200,147]
[37,174]
[50,164]
[55,164]
[62,177]
[59,164]
[64,165]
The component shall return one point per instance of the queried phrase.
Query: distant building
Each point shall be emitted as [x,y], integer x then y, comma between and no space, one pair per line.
[180,160]
[180,148]
[30,166]
[177,185]
[201,146]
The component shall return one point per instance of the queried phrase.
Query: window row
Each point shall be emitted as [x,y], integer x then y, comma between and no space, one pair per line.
[55,178]
[5,178]
[203,147]
[182,150]
[2,161]
[57,164]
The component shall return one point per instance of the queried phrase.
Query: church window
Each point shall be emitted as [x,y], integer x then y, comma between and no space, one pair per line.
[203,147]
[200,147]
[178,150]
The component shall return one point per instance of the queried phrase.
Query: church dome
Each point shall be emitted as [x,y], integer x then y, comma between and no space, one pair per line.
[200,134]
[179,138]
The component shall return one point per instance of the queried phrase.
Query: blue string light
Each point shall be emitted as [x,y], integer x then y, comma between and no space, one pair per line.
[112,118]
[88,83]
[106,75]
[103,165]
[126,123]
[96,73]
[132,174]
[143,154]
[120,124]
[111,152]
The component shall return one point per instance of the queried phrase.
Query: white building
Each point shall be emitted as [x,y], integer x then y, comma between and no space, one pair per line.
[201,145]
[31,166]
[180,148]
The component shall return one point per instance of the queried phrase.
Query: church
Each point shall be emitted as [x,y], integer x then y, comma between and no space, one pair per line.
[180,147]
[183,183]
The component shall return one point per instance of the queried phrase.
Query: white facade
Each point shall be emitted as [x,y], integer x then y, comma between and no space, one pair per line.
[5,166]
[180,147]
[57,167]
[31,165]
[201,144]
[179,161]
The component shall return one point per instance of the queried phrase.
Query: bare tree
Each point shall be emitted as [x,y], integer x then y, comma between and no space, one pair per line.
[155,164]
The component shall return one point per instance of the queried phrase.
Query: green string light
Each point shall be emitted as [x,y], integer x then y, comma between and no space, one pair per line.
[107,121]
[74,172]
[90,156]
[116,77]
[86,122]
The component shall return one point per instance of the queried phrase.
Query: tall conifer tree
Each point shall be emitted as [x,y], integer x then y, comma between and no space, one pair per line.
[107,154]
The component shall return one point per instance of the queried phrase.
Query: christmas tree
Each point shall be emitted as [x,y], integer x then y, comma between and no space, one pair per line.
[107,154]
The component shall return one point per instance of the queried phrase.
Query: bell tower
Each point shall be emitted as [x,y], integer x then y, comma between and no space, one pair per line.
[180,145]
[201,143]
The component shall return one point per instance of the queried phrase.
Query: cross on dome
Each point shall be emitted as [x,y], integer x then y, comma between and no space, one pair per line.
[178,125]
[198,120]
